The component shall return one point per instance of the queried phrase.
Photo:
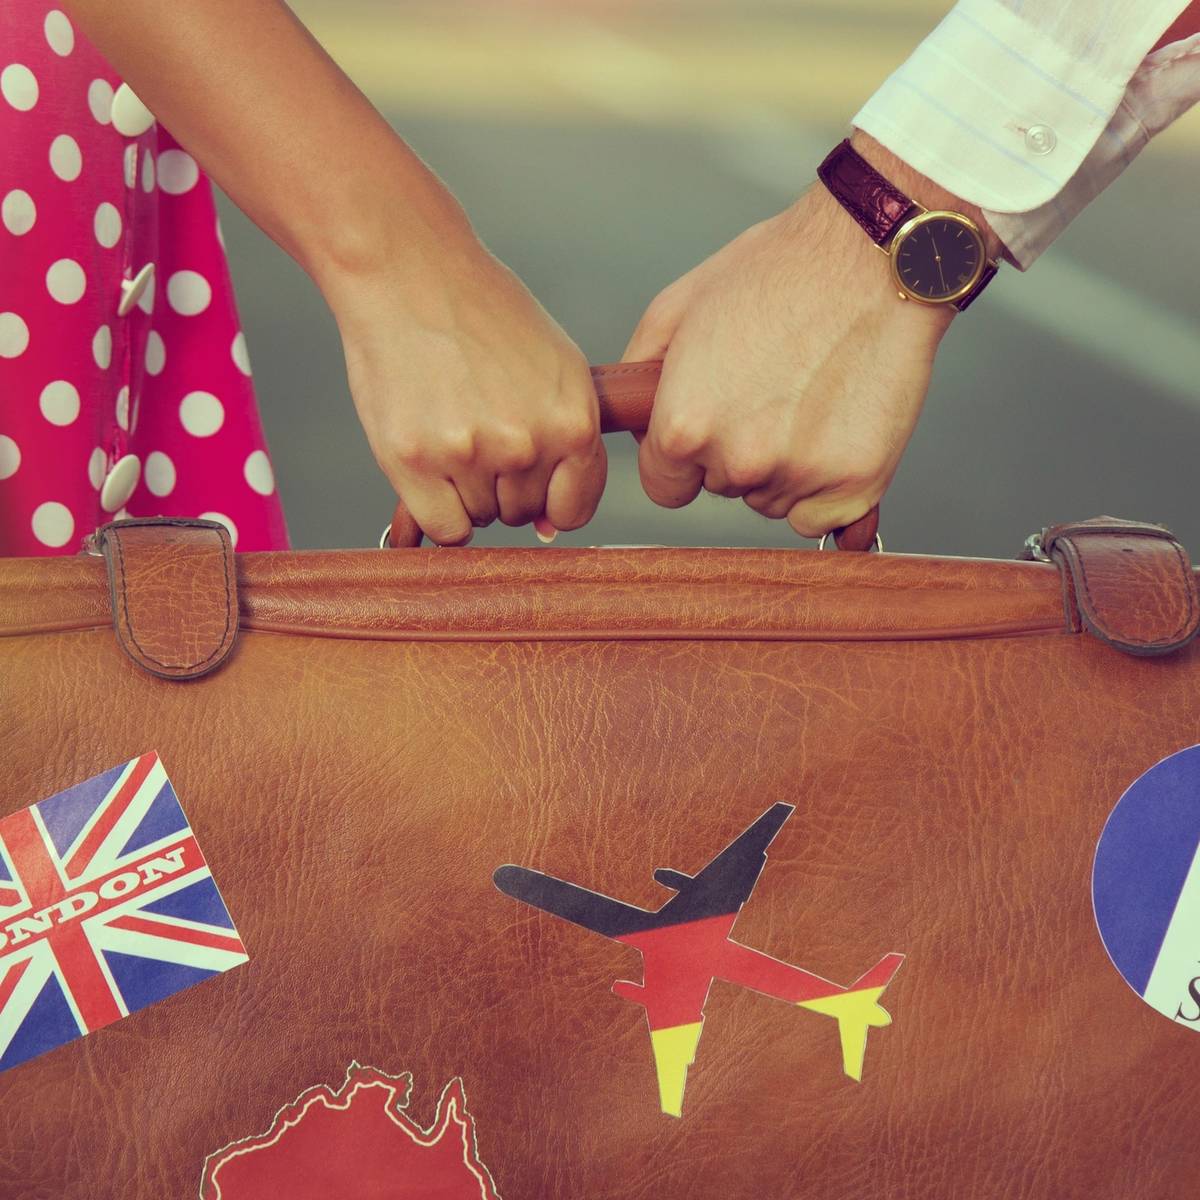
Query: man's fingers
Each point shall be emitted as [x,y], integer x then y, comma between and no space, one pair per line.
[815,516]
[438,509]
[575,488]
[669,454]
[776,497]
[770,502]
[657,327]
[669,478]
[648,343]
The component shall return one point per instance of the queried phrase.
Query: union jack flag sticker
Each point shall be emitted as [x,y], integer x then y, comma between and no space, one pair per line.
[106,906]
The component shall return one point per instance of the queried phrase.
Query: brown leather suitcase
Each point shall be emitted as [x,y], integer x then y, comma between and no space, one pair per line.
[842,810]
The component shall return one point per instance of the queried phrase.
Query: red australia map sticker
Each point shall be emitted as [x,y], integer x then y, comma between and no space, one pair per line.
[356,1143]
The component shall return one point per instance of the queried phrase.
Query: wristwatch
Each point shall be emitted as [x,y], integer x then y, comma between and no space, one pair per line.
[937,256]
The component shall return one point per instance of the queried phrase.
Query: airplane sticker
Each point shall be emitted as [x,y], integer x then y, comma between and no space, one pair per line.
[685,945]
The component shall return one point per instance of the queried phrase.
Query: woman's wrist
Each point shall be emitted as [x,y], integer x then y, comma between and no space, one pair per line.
[404,231]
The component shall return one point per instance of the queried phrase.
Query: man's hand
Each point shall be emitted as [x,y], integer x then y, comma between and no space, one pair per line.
[793,372]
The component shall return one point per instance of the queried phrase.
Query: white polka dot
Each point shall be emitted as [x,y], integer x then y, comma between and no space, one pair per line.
[66,281]
[10,456]
[188,293]
[65,160]
[18,212]
[159,474]
[99,99]
[240,355]
[201,413]
[177,172]
[53,524]
[14,335]
[147,172]
[220,235]
[216,516]
[131,165]
[60,402]
[102,347]
[97,467]
[156,353]
[19,87]
[123,408]
[107,225]
[146,299]
[59,33]
[259,474]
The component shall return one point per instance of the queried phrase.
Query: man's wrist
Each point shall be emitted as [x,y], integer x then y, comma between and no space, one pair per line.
[921,188]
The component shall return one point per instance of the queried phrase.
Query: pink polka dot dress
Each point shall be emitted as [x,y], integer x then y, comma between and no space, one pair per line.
[125,385]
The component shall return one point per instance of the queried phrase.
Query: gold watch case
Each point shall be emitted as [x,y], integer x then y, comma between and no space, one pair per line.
[892,250]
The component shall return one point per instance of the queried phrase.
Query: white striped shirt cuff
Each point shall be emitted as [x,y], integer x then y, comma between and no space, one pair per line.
[994,108]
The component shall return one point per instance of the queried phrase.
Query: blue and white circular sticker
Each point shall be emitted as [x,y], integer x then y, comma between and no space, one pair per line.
[1146,886]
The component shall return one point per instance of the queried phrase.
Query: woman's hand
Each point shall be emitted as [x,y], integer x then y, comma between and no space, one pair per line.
[475,403]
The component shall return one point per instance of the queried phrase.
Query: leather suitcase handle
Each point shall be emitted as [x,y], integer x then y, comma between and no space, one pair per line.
[626,394]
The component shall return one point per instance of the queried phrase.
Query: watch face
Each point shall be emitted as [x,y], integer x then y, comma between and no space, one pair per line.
[938,257]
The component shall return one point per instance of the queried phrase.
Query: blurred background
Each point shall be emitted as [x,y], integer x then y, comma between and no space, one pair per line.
[602,149]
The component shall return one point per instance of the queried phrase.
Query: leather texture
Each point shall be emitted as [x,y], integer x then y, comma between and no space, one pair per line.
[989,273]
[1132,584]
[173,593]
[391,727]
[626,392]
[876,204]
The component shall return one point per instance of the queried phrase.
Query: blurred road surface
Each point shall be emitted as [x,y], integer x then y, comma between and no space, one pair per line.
[604,148]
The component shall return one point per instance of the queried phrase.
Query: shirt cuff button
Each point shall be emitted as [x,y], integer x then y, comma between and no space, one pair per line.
[1040,139]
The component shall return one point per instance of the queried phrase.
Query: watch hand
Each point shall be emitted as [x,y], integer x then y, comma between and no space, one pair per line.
[938,259]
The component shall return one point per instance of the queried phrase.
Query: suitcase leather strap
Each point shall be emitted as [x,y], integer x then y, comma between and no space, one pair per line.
[173,589]
[1127,583]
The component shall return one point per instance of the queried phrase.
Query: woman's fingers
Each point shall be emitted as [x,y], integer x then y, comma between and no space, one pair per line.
[575,488]
[438,509]
[470,423]
[477,491]
[522,495]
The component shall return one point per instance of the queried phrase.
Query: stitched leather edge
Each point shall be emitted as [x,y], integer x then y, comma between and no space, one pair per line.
[617,369]
[118,584]
[965,302]
[1103,525]
[1071,614]
[829,174]
[145,654]
[1089,613]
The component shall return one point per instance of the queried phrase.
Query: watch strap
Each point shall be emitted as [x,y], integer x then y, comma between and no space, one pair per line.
[989,270]
[875,203]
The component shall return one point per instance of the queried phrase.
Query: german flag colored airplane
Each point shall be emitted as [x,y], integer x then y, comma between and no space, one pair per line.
[685,945]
